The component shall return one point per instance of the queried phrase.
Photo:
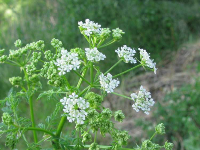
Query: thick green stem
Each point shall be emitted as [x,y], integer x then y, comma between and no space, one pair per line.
[127,71]
[113,67]
[60,126]
[55,142]
[42,130]
[33,119]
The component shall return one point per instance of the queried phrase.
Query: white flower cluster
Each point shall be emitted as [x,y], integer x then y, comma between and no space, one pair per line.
[107,83]
[145,59]
[94,54]
[142,100]
[75,107]
[89,27]
[68,61]
[127,54]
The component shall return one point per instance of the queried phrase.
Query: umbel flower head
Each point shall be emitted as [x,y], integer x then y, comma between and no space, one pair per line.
[94,54]
[146,61]
[89,27]
[75,108]
[107,83]
[127,54]
[68,61]
[142,100]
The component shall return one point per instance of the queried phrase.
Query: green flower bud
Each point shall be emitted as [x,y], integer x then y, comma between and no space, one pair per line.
[105,33]
[94,146]
[86,137]
[6,119]
[15,54]
[119,116]
[2,52]
[94,99]
[160,128]
[30,69]
[148,145]
[121,137]
[39,45]
[34,78]
[16,81]
[56,43]
[36,56]
[106,113]
[168,146]
[31,46]
[48,55]
[117,33]
[18,43]
[92,114]
[3,58]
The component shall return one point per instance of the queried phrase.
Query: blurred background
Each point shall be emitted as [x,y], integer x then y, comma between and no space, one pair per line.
[168,29]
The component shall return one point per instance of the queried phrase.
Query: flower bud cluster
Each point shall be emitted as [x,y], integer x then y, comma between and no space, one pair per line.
[127,54]
[3,58]
[117,33]
[36,56]
[119,116]
[107,83]
[94,99]
[16,81]
[56,43]
[168,146]
[18,43]
[142,100]
[39,45]
[6,118]
[120,138]
[160,129]
[48,55]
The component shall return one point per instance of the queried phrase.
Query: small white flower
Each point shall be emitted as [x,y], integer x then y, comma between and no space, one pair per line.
[68,61]
[145,60]
[75,107]
[89,27]
[127,54]
[142,100]
[94,54]
[107,83]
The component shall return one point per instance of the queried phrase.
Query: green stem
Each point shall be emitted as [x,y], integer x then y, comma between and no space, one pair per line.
[112,41]
[127,71]
[33,119]
[60,126]
[84,91]
[91,73]
[104,147]
[113,67]
[42,130]
[153,136]
[95,137]
[122,95]
[83,79]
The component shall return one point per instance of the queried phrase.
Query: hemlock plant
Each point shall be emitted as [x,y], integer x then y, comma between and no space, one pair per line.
[78,103]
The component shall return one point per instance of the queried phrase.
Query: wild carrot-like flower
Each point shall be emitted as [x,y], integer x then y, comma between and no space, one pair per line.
[146,61]
[142,100]
[75,107]
[68,61]
[127,54]
[94,54]
[89,27]
[107,83]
